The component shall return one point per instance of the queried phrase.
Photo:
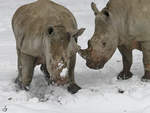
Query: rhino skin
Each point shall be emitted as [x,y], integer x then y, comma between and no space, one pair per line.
[46,34]
[122,24]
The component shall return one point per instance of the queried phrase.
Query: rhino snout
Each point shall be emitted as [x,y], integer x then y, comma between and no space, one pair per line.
[96,64]
[60,81]
[61,74]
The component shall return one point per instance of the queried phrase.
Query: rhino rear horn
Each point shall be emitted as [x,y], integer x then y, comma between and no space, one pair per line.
[94,8]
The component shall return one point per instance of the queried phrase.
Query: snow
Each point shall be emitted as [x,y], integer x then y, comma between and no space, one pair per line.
[64,73]
[100,93]
[60,65]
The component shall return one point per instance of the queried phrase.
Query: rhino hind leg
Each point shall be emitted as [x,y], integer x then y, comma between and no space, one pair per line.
[26,66]
[127,62]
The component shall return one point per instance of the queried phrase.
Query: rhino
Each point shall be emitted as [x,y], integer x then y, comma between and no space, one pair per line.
[122,24]
[46,34]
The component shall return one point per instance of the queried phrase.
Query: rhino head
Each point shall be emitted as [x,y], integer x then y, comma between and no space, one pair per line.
[104,41]
[59,48]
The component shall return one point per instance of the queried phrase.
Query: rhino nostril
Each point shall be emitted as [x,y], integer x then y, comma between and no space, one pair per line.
[62,59]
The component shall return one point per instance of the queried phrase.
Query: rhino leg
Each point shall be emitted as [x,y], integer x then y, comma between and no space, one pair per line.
[73,87]
[146,77]
[26,66]
[127,62]
[46,74]
[146,61]
[18,79]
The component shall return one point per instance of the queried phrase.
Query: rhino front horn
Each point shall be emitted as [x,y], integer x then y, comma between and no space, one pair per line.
[83,53]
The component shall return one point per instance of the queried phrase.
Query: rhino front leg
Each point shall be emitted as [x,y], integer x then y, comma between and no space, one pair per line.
[146,61]
[73,87]
[18,79]
[127,62]
[26,66]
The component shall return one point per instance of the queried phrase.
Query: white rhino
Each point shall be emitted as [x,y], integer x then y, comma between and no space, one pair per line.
[122,24]
[46,33]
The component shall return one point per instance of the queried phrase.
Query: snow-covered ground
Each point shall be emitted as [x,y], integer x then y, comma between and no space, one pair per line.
[100,89]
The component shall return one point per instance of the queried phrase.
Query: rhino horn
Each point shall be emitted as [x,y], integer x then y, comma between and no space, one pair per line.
[77,49]
[83,53]
[77,33]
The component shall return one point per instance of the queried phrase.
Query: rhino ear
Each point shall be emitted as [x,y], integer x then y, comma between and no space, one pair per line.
[94,8]
[77,33]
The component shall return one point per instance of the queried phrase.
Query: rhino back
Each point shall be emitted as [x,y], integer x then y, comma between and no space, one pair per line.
[31,21]
[132,18]
[139,21]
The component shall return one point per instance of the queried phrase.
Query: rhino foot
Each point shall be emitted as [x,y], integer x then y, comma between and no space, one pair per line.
[146,77]
[50,82]
[21,86]
[124,75]
[26,88]
[73,88]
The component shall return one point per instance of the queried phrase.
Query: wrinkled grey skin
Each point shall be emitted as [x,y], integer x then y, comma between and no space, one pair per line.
[122,24]
[46,33]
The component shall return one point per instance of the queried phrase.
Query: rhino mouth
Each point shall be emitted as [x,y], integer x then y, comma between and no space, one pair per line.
[93,65]
[58,74]
[96,65]
[61,81]
[58,81]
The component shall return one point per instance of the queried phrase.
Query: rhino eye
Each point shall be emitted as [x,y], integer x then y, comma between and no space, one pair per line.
[104,44]
[50,30]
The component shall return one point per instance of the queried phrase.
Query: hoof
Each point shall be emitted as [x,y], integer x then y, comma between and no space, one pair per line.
[73,88]
[50,82]
[26,88]
[21,86]
[146,77]
[124,75]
